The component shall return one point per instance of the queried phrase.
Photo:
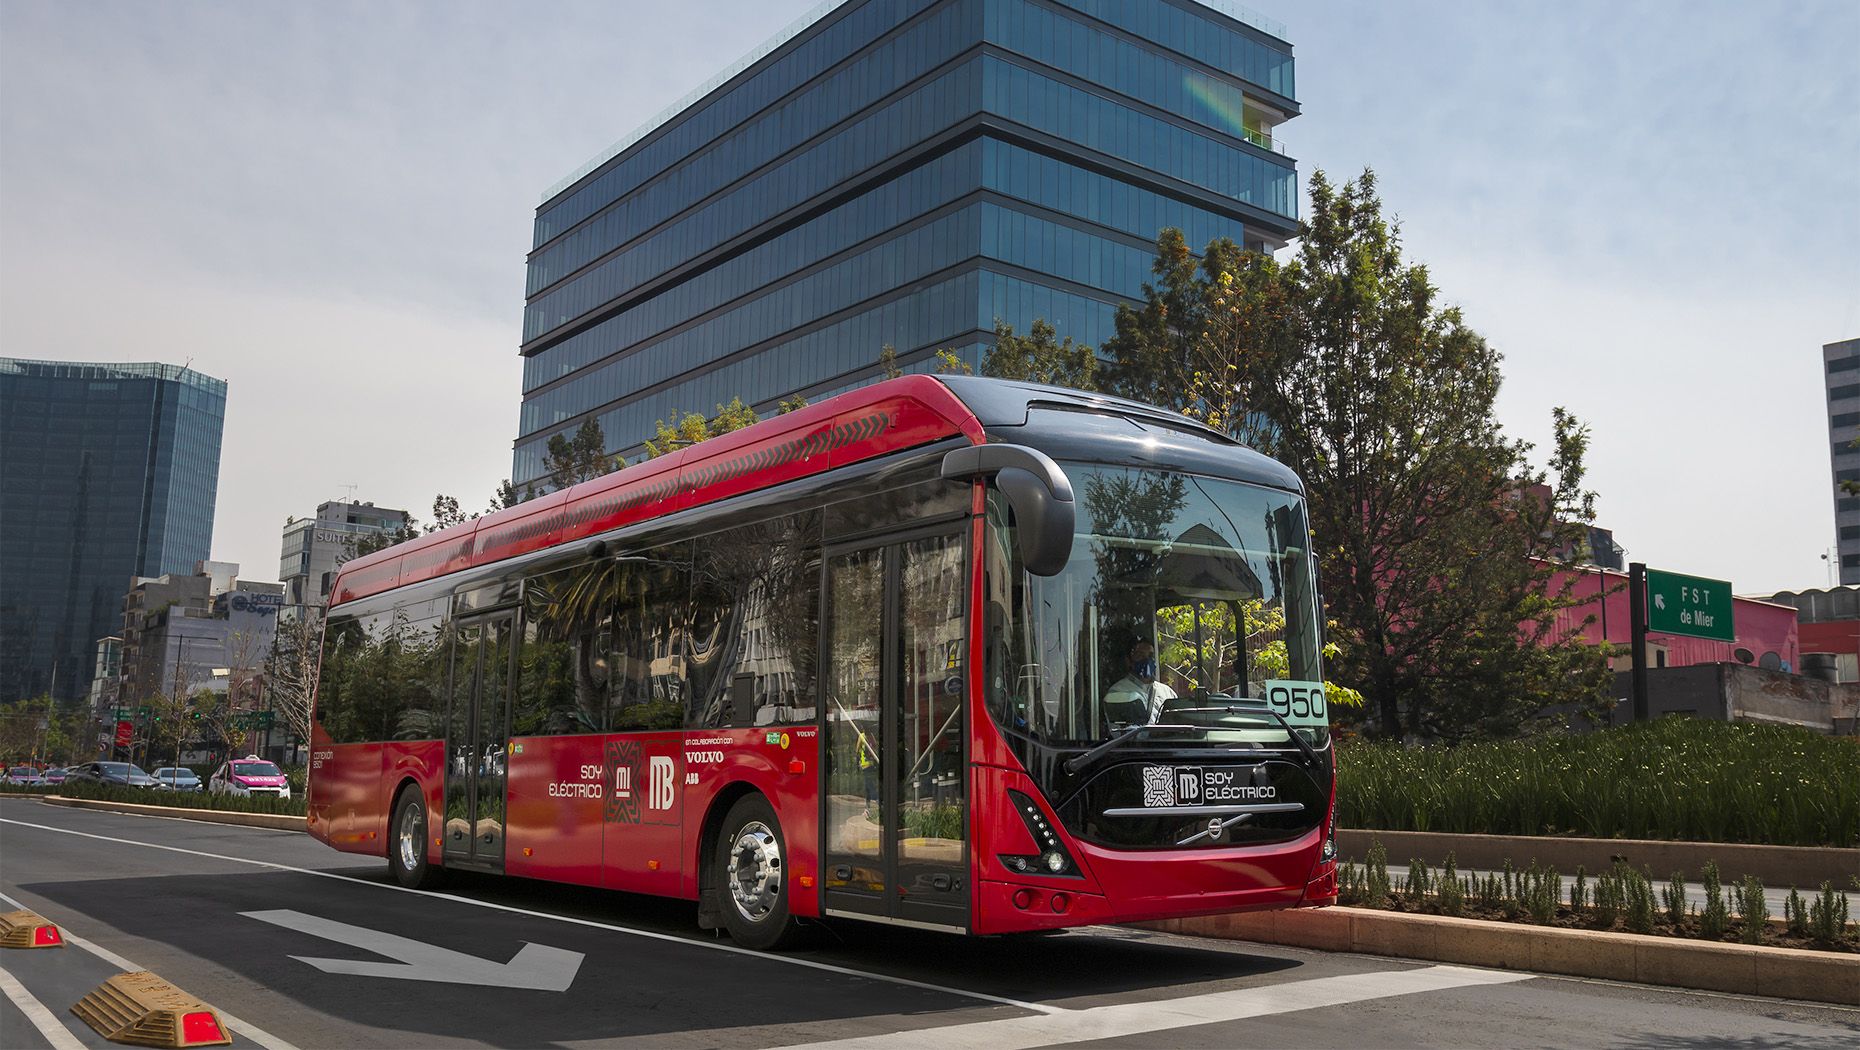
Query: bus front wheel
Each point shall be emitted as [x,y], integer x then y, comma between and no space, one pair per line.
[407,842]
[752,871]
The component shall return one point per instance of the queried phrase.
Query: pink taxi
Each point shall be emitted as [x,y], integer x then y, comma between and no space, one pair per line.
[250,775]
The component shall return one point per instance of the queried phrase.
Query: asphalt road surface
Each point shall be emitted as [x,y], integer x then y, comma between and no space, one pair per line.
[300,946]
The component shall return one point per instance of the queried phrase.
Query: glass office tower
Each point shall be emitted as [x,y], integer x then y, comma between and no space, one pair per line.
[900,172]
[107,472]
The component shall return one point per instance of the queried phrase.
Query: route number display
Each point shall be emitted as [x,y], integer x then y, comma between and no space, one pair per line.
[1299,703]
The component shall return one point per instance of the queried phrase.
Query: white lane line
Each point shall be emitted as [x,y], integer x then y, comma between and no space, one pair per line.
[1137,1019]
[245,1028]
[1040,1008]
[44,1020]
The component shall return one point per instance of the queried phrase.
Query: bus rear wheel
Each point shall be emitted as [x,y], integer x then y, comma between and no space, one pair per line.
[407,842]
[752,872]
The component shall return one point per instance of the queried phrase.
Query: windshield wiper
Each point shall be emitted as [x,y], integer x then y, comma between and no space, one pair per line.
[1249,705]
[1078,762]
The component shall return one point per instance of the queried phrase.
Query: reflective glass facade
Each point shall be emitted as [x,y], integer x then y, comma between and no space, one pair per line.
[107,471]
[900,172]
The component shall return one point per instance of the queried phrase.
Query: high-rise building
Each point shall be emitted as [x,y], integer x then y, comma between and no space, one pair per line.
[1841,372]
[186,632]
[107,472]
[900,172]
[313,547]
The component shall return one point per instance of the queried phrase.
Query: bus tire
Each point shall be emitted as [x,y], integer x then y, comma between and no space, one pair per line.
[407,842]
[752,875]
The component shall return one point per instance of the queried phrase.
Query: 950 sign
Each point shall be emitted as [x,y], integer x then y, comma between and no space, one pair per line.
[1300,703]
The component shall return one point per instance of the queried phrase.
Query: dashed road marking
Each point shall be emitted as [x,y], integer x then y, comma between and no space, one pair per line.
[43,1019]
[245,1028]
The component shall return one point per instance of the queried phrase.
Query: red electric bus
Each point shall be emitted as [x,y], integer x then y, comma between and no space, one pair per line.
[953,653]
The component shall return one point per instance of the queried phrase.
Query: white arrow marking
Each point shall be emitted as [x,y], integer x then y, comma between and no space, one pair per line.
[537,966]
[1659,601]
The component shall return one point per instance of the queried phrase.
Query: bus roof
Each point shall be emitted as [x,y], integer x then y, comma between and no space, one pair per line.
[872,421]
[861,424]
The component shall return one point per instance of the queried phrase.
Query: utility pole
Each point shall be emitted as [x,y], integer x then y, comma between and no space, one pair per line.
[1637,634]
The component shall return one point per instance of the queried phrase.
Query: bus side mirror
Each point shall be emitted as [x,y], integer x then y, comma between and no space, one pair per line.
[1038,493]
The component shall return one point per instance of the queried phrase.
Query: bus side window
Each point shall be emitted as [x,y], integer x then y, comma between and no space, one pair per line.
[562,665]
[755,601]
[646,659]
[338,653]
[420,667]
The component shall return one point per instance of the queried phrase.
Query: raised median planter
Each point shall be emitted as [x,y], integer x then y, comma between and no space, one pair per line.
[1785,866]
[275,821]
[1786,973]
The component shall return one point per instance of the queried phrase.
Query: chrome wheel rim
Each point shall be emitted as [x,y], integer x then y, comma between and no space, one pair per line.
[755,871]
[410,837]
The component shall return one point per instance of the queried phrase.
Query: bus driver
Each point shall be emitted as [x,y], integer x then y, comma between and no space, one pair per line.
[1138,698]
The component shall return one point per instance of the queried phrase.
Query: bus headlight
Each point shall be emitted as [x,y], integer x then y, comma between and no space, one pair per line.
[1052,858]
[1056,862]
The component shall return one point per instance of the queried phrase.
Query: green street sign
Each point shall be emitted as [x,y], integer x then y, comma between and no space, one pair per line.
[1690,605]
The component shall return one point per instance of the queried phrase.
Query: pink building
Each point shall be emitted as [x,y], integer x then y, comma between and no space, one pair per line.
[1766,631]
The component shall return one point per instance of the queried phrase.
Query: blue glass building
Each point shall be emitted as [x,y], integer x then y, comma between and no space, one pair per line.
[107,472]
[900,172]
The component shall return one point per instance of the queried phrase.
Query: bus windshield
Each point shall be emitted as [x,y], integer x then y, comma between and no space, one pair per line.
[1187,602]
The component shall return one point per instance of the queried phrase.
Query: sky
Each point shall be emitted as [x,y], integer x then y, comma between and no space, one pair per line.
[1651,209]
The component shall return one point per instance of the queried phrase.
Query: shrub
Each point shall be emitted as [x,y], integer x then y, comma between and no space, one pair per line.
[293,806]
[1753,912]
[1609,898]
[1452,892]
[1416,886]
[1579,891]
[1715,917]
[1666,779]
[1540,888]
[1673,899]
[1376,887]
[1637,907]
[1827,915]
[1795,914]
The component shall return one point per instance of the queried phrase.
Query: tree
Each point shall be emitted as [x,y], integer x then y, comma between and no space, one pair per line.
[290,669]
[694,427]
[1040,357]
[888,361]
[1150,357]
[570,461]
[1437,540]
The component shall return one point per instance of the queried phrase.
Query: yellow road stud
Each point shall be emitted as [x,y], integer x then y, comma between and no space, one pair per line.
[142,1009]
[25,929]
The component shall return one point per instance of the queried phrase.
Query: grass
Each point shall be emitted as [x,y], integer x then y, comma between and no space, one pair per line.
[1675,778]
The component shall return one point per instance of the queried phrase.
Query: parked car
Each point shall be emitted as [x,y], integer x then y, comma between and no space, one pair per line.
[54,776]
[177,778]
[25,776]
[250,775]
[114,774]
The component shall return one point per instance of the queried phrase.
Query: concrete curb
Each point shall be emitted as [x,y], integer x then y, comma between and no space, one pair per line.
[274,821]
[1804,867]
[1785,973]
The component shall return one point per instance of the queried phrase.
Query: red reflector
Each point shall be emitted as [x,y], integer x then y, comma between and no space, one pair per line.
[1060,903]
[797,766]
[1023,899]
[45,935]
[201,1027]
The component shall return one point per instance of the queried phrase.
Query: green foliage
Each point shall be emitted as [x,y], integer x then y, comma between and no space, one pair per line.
[293,806]
[1753,911]
[1438,555]
[1376,881]
[1450,890]
[1673,899]
[1637,887]
[1540,889]
[1795,913]
[1675,778]
[1416,886]
[1579,891]
[694,427]
[934,822]
[570,461]
[1714,918]
[1040,357]
[888,361]
[1610,898]
[1827,915]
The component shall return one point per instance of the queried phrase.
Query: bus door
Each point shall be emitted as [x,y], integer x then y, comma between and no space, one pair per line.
[478,741]
[894,817]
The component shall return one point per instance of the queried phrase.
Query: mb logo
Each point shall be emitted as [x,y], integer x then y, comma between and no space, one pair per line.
[1188,786]
[660,792]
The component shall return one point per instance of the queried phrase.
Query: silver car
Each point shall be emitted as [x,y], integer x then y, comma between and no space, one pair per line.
[177,778]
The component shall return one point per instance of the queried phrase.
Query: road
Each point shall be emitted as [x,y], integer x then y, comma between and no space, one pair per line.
[232,914]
